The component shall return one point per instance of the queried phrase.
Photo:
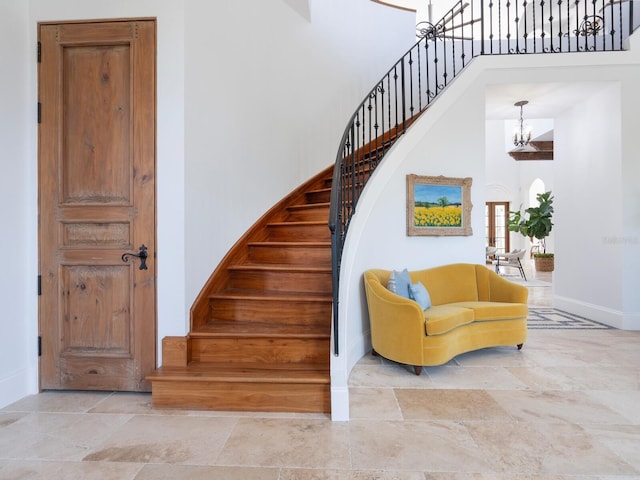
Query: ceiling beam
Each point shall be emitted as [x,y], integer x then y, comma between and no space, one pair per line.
[543,151]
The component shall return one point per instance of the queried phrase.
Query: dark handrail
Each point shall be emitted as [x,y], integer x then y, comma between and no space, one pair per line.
[469,29]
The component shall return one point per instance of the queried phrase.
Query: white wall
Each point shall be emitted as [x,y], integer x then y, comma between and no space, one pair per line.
[18,363]
[630,205]
[598,242]
[286,88]
[589,202]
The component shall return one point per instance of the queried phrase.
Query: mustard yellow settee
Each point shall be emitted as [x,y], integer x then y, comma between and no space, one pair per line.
[471,308]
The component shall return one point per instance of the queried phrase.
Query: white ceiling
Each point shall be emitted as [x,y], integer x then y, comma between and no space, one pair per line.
[546,100]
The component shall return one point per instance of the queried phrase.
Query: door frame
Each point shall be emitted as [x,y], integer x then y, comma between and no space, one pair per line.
[491,224]
[39,239]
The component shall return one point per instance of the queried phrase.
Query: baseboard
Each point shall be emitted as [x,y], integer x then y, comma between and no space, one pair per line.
[16,386]
[608,316]
[340,404]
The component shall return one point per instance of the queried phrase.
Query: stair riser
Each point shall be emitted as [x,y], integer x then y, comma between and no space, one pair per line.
[291,312]
[299,233]
[260,350]
[260,397]
[282,281]
[319,197]
[319,214]
[294,255]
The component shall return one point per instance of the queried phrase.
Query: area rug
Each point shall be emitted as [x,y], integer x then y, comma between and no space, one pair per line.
[553,319]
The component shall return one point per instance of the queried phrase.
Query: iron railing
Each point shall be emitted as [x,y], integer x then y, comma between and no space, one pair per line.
[469,29]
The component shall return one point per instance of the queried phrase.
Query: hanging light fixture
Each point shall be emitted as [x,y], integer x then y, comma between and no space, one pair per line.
[521,135]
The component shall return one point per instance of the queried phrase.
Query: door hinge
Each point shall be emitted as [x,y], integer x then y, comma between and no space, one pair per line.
[39,112]
[39,285]
[39,345]
[39,52]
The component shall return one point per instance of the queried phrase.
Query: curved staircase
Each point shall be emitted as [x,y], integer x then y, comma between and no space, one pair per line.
[260,329]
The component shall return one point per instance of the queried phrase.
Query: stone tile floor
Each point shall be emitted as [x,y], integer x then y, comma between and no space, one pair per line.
[566,407]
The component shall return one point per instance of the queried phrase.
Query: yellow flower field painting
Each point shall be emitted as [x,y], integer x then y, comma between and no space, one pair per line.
[437,206]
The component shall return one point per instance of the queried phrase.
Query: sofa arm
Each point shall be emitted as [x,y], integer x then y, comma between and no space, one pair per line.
[502,290]
[397,323]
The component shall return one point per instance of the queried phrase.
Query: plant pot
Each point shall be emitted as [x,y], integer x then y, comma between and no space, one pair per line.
[544,264]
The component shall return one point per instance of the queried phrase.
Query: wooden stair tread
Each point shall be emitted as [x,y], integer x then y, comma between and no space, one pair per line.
[242,373]
[304,206]
[237,328]
[307,223]
[292,244]
[279,267]
[272,296]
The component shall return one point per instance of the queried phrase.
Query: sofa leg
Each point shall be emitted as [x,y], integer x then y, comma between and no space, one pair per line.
[520,346]
[417,369]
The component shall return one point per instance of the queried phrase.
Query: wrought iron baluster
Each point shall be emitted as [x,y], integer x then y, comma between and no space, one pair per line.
[499,26]
[525,36]
[516,20]
[427,64]
[376,126]
[594,15]
[419,70]
[620,38]
[552,37]
[389,124]
[567,32]
[473,27]
[508,5]
[395,91]
[577,31]
[542,32]
[411,108]
[561,32]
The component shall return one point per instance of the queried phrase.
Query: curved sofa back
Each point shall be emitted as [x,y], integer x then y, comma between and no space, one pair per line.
[459,282]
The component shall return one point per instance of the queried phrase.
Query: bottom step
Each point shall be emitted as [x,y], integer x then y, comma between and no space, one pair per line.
[206,386]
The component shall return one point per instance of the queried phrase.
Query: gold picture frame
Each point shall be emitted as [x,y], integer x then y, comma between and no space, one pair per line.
[438,206]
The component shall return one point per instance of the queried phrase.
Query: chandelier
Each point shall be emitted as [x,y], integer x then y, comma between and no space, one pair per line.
[521,135]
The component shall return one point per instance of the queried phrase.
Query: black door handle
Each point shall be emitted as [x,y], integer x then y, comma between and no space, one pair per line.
[142,256]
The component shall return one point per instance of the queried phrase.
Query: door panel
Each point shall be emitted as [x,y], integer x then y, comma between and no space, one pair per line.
[96,125]
[96,149]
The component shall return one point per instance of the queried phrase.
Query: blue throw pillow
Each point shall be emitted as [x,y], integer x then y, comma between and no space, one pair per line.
[403,282]
[420,294]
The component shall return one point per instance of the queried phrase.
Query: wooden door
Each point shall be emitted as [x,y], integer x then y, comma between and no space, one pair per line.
[496,222]
[96,157]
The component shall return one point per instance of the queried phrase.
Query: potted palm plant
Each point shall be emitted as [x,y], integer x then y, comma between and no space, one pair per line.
[535,222]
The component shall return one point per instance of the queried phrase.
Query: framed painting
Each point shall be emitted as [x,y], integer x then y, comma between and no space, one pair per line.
[438,206]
